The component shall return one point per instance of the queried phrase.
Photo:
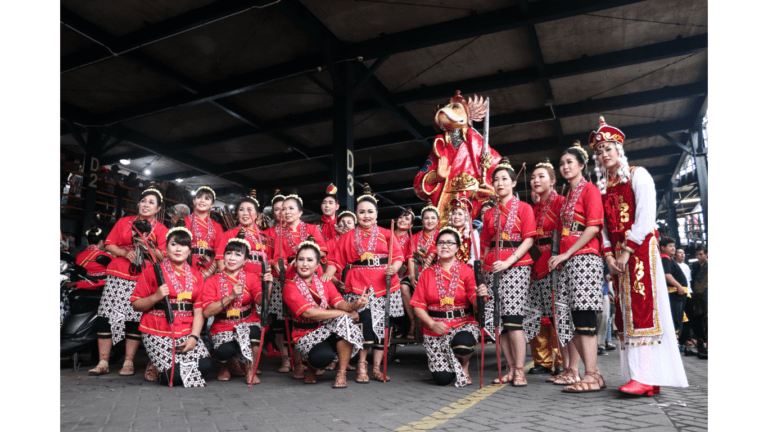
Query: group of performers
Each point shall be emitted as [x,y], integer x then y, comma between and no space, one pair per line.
[330,290]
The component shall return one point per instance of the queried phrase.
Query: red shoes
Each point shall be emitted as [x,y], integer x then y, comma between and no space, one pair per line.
[640,389]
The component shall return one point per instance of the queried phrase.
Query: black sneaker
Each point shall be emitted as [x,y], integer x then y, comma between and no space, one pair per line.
[609,346]
[601,351]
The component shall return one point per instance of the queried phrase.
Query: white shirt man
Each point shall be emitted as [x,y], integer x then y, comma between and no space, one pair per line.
[680,259]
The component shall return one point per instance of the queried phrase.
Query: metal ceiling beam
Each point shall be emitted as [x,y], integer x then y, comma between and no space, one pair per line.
[115,46]
[491,22]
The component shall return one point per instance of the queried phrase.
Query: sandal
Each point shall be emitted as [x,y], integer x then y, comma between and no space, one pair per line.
[249,374]
[224,374]
[286,366]
[236,368]
[127,369]
[100,369]
[310,377]
[362,372]
[331,366]
[350,368]
[586,386]
[505,378]
[379,376]
[151,373]
[568,377]
[518,379]
[341,380]
[411,333]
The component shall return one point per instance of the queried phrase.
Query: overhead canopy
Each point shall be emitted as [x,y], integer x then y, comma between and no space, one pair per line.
[240,93]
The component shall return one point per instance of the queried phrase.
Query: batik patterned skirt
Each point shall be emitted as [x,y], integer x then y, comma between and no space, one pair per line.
[513,291]
[342,326]
[160,352]
[116,307]
[441,357]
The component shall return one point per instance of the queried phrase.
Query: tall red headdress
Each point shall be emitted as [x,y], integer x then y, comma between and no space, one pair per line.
[605,133]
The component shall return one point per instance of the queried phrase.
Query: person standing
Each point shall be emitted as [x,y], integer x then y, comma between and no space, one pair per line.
[676,284]
[329,207]
[205,232]
[403,227]
[649,355]
[700,303]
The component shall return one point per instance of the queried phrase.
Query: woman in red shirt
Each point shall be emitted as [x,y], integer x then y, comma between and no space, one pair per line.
[94,260]
[442,302]
[205,231]
[518,231]
[233,298]
[183,289]
[366,249]
[424,252]
[407,283]
[324,324]
[116,319]
[580,280]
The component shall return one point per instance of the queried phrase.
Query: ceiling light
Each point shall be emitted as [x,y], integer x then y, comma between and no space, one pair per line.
[179,180]
[231,206]
[147,171]
[125,161]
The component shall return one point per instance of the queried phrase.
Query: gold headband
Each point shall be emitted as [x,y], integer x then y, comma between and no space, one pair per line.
[276,197]
[577,146]
[310,243]
[254,200]
[155,191]
[239,240]
[366,195]
[449,228]
[545,164]
[347,212]
[430,207]
[208,189]
[177,229]
[296,197]
[505,165]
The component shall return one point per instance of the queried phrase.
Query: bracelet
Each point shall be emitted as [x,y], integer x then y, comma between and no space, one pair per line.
[196,338]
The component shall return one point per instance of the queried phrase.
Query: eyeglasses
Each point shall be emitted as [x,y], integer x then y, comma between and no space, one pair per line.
[446,243]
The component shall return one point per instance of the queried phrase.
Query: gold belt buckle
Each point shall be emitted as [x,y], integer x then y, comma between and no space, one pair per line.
[575,226]
[449,315]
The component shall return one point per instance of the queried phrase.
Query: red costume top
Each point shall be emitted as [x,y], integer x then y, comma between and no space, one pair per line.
[87,259]
[424,240]
[122,237]
[291,239]
[582,208]
[354,247]
[465,173]
[185,285]
[453,290]
[220,286]
[523,227]
[260,247]
[328,226]
[205,235]
[547,220]
[295,293]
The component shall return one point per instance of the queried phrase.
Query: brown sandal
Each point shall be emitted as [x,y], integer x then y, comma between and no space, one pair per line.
[379,376]
[286,366]
[362,372]
[506,377]
[310,377]
[151,373]
[518,379]
[224,374]
[236,368]
[568,377]
[249,374]
[127,369]
[100,369]
[341,380]
[586,386]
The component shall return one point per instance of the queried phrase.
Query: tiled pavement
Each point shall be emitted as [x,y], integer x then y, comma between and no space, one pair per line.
[114,403]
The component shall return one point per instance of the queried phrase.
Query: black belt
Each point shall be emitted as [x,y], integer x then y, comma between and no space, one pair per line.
[181,307]
[243,315]
[456,313]
[255,257]
[203,251]
[305,326]
[509,244]
[576,226]
[99,278]
[544,241]
[371,262]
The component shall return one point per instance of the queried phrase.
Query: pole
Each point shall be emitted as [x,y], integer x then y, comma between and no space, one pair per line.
[386,298]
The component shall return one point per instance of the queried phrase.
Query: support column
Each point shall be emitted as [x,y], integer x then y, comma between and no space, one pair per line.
[700,159]
[669,197]
[343,166]
[91,167]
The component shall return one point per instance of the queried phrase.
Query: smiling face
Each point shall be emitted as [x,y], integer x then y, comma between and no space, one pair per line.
[246,213]
[203,202]
[540,181]
[458,218]
[669,249]
[291,212]
[234,260]
[405,221]
[176,252]
[306,263]
[503,183]
[429,219]
[570,168]
[329,206]
[148,206]
[277,210]
[366,214]
[447,246]
[608,155]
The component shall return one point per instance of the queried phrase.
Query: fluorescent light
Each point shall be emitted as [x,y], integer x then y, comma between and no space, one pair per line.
[231,206]
[125,161]
[147,171]
[179,180]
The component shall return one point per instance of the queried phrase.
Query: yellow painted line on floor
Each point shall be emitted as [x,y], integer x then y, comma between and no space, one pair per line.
[444,414]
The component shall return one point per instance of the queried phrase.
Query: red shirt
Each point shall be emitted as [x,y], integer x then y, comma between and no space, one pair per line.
[547,220]
[254,234]
[86,259]
[122,236]
[523,228]
[422,239]
[153,321]
[427,297]
[300,234]
[298,304]
[249,299]
[361,277]
[588,211]
[328,226]
[201,237]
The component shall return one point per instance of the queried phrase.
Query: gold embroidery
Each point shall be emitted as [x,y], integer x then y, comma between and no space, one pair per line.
[446,301]
[464,182]
[623,212]
[638,286]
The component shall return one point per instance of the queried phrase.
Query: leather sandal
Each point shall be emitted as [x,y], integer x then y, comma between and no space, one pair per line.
[299,370]
[224,374]
[518,378]
[310,377]
[507,377]
[351,368]
[379,376]
[151,373]
[569,377]
[100,369]
[587,386]
[362,372]
[249,374]
[236,368]
[286,366]
[127,369]
[341,379]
